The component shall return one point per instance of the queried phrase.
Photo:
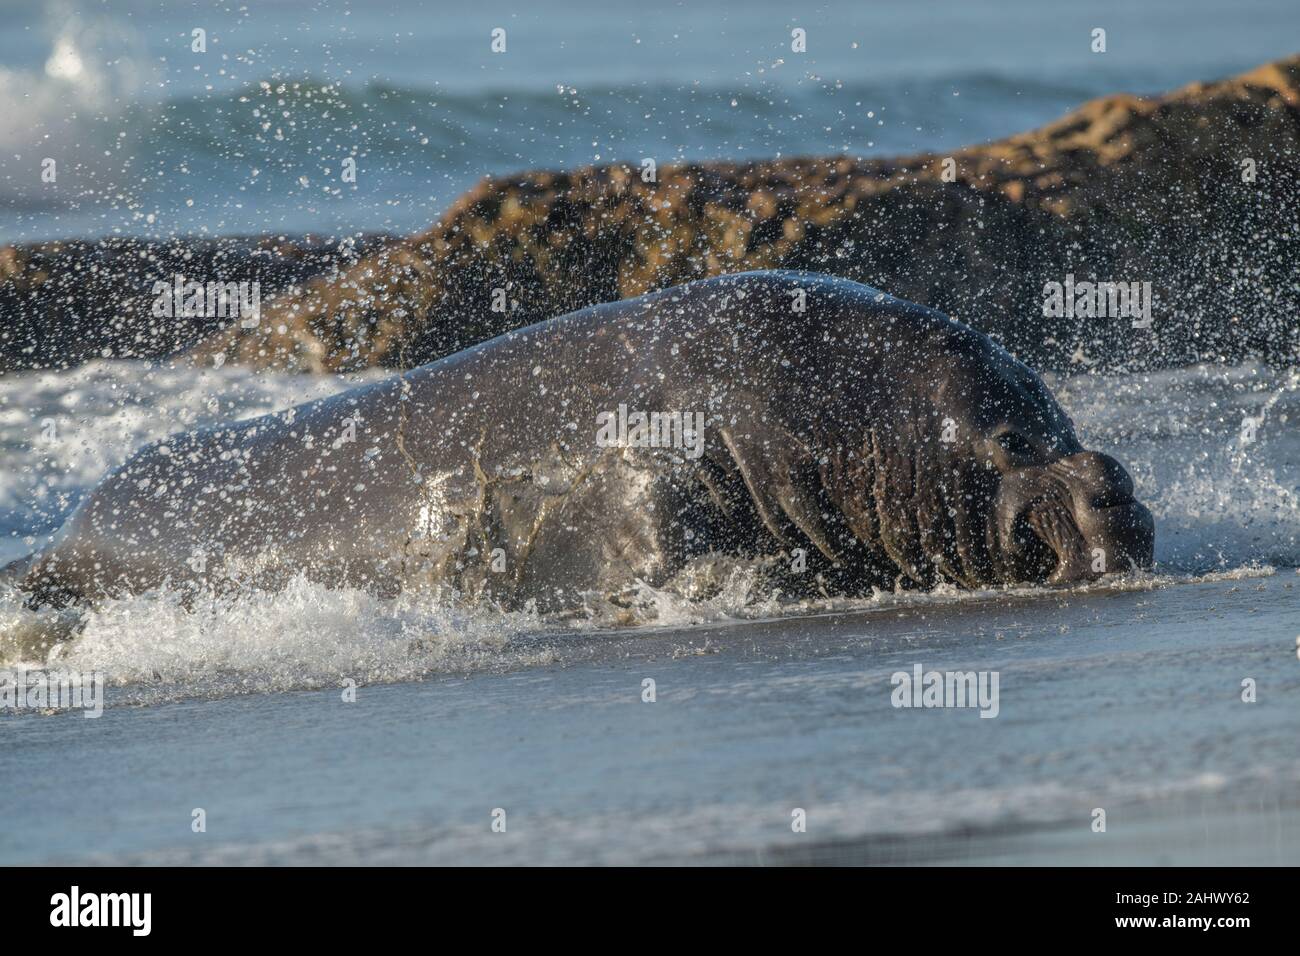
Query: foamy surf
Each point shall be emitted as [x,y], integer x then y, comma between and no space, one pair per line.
[725,833]
[1097,690]
[154,648]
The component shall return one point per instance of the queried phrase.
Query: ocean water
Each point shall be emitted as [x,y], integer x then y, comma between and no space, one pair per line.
[153,139]
[1124,699]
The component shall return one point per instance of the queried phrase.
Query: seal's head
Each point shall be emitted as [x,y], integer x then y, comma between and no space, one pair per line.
[1053,511]
[963,467]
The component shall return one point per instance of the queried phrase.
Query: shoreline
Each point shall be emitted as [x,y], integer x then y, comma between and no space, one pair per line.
[1125,700]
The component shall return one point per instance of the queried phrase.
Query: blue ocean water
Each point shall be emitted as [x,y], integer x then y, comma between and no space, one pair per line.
[151,138]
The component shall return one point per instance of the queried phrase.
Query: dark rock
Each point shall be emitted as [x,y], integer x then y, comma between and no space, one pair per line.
[65,303]
[1124,189]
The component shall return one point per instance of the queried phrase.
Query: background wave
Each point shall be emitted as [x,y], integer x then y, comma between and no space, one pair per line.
[155,140]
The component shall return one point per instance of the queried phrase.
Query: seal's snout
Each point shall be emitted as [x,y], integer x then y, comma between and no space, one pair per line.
[1075,520]
[1098,473]
[1116,530]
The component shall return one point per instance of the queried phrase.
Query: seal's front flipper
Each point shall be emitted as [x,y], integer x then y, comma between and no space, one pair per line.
[27,634]
[782,479]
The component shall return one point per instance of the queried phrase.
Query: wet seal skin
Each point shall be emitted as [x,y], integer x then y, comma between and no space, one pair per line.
[840,437]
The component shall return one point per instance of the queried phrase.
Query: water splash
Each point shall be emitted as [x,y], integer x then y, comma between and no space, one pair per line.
[1225,508]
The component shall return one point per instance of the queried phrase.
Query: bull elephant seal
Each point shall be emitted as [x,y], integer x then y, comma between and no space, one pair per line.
[852,438]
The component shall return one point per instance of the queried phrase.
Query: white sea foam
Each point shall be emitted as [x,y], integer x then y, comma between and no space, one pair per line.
[302,637]
[732,832]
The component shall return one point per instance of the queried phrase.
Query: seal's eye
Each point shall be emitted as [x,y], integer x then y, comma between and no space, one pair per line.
[1017,445]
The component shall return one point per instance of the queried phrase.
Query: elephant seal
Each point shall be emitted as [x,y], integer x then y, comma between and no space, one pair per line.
[851,438]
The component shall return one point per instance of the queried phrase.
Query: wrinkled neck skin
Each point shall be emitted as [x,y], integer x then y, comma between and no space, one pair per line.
[945,459]
[920,531]
[981,480]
